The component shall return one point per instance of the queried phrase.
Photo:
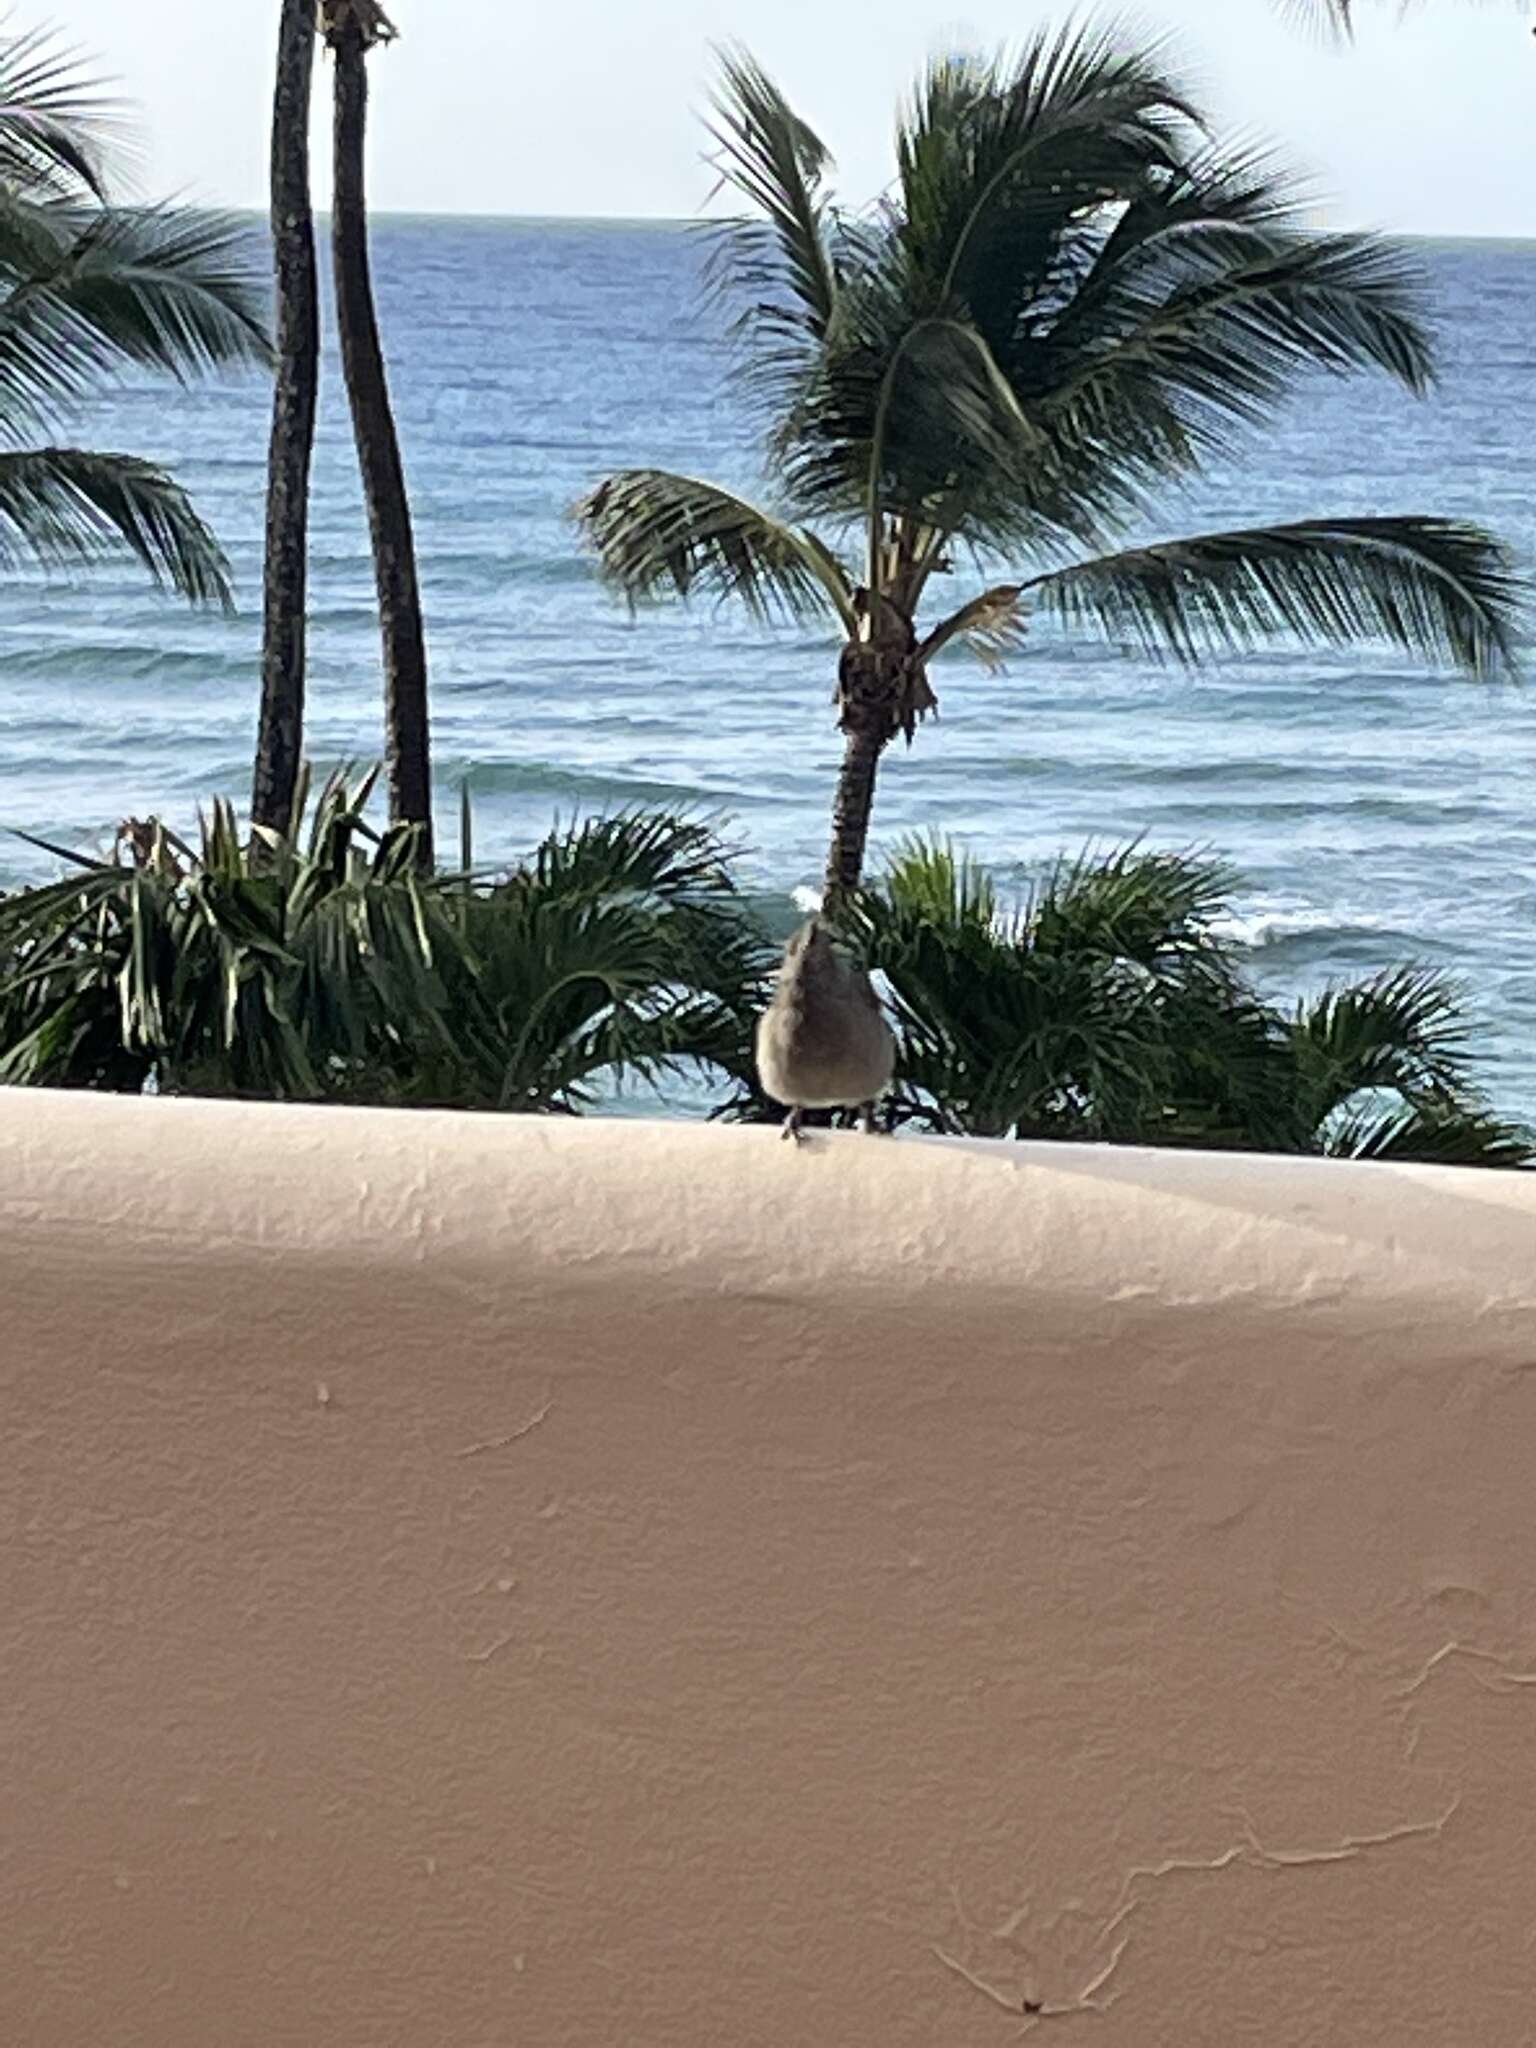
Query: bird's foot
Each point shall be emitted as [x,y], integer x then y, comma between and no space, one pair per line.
[867,1123]
[791,1130]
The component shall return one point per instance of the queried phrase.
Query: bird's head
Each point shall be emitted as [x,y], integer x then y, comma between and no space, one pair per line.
[810,937]
[811,948]
[814,956]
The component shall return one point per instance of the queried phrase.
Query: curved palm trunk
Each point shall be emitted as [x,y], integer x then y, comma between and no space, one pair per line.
[407,738]
[882,690]
[851,807]
[280,737]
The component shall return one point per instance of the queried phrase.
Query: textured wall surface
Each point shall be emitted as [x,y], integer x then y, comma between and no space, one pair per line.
[476,1582]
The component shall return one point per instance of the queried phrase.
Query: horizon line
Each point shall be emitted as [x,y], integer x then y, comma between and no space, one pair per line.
[489,218]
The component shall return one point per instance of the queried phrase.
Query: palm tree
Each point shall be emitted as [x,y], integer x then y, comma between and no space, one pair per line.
[352,29]
[285,967]
[90,288]
[280,737]
[1108,1007]
[623,951]
[1068,299]
[324,965]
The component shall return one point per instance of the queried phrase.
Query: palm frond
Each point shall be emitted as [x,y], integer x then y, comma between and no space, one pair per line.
[783,264]
[1069,1016]
[998,1040]
[65,507]
[997,160]
[655,855]
[1403,1032]
[1232,1081]
[776,272]
[991,625]
[565,989]
[929,881]
[59,130]
[162,289]
[174,289]
[1156,909]
[1199,309]
[1433,1134]
[1335,15]
[902,413]
[657,533]
[1435,587]
[681,875]
[621,951]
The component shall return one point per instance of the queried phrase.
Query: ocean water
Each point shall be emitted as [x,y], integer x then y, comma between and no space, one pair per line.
[1378,813]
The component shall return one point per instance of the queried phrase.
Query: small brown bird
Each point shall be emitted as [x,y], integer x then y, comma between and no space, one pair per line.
[823,1042]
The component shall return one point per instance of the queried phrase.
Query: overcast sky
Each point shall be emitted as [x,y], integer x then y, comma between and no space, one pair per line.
[587,106]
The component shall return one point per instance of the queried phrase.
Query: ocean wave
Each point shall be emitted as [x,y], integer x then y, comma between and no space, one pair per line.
[468,570]
[1266,927]
[607,790]
[100,664]
[1260,927]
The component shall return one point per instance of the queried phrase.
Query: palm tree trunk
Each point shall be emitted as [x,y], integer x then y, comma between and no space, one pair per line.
[881,691]
[851,808]
[280,737]
[407,736]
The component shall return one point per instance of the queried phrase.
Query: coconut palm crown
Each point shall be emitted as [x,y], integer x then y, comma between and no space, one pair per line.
[1067,300]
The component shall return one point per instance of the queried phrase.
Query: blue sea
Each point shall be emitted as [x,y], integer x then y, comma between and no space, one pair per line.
[1377,813]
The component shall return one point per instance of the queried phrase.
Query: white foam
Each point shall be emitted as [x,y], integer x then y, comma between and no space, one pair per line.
[1271,924]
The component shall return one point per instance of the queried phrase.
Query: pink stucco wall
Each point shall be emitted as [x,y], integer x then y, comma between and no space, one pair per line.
[476,1582]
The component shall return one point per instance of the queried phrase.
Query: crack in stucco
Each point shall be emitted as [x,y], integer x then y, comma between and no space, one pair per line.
[491,1650]
[1009,2003]
[1505,1680]
[514,1436]
[1501,1678]
[1036,2011]
[1251,1852]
